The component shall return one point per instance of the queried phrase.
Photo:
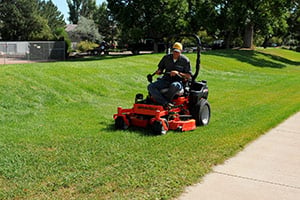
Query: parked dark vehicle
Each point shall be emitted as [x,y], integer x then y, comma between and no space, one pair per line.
[218,44]
[145,45]
[103,47]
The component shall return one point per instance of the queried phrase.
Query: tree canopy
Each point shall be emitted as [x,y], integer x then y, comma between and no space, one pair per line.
[86,30]
[28,20]
[155,19]
[106,24]
[236,22]
[50,12]
[77,8]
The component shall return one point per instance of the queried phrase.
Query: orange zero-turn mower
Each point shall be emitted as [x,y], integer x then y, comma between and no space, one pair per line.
[189,110]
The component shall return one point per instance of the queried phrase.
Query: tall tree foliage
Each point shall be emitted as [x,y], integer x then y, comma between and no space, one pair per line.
[78,8]
[74,10]
[20,19]
[240,18]
[221,18]
[88,9]
[50,12]
[265,16]
[28,19]
[294,25]
[140,19]
[106,24]
[86,30]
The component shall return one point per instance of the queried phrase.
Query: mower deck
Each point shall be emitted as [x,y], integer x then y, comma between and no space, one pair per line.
[143,115]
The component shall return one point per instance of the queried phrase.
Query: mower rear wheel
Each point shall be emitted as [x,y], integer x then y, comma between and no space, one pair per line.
[202,114]
[120,123]
[158,127]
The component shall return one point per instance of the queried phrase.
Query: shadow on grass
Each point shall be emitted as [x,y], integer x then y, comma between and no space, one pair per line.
[95,58]
[101,57]
[251,57]
[141,131]
[279,58]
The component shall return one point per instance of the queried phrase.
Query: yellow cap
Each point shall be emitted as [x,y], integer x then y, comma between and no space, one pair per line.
[177,46]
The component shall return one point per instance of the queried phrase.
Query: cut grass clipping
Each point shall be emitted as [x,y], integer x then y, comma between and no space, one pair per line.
[57,136]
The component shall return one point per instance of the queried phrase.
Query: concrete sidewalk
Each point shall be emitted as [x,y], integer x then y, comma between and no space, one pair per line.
[267,169]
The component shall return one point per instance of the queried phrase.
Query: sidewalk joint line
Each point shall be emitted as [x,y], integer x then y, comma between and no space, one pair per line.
[257,180]
[286,130]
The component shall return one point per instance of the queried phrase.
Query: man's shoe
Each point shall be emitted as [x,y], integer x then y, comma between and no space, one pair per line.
[168,106]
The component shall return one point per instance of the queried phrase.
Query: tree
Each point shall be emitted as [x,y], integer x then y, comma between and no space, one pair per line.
[88,9]
[50,12]
[86,30]
[227,21]
[149,19]
[240,18]
[61,34]
[77,8]
[74,10]
[29,20]
[21,21]
[265,16]
[106,25]
[294,25]
[42,31]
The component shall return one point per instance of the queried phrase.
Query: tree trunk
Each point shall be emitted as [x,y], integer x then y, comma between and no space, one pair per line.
[248,37]
[227,39]
[155,46]
[265,43]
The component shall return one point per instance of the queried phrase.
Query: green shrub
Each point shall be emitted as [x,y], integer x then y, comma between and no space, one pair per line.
[84,46]
[61,34]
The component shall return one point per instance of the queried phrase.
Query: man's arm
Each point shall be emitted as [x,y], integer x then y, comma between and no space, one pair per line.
[186,73]
[181,74]
[158,72]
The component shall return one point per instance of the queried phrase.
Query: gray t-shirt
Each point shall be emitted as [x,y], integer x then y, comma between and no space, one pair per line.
[182,64]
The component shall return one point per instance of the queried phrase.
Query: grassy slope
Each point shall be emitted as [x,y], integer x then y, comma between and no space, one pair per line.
[56,129]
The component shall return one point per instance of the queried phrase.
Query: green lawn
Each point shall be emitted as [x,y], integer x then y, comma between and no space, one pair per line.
[57,137]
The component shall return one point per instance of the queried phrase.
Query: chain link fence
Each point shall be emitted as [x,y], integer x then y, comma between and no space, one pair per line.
[31,51]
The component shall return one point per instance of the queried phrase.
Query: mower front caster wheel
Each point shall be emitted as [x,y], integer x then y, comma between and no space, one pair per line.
[120,123]
[159,128]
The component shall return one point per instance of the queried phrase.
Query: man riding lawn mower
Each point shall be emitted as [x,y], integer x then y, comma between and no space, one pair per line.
[175,102]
